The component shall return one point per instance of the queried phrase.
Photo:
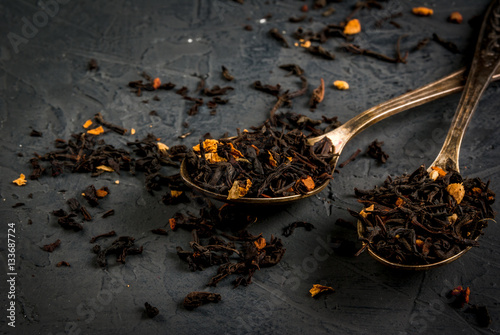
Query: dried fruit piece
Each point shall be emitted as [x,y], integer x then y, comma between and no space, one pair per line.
[196,299]
[422,11]
[96,131]
[162,147]
[235,152]
[364,211]
[21,180]
[455,17]
[260,243]
[87,124]
[272,161]
[452,218]
[457,191]
[175,194]
[341,85]
[102,192]
[308,183]
[172,223]
[441,172]
[303,43]
[318,94]
[317,289]
[209,145]
[237,191]
[156,83]
[461,294]
[352,27]
[105,168]
[434,175]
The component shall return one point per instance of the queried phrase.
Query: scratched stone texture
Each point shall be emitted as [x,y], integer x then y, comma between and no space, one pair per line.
[45,85]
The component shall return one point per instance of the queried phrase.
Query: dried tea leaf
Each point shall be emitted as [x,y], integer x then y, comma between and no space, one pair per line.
[441,172]
[457,191]
[151,311]
[317,289]
[21,180]
[318,94]
[352,27]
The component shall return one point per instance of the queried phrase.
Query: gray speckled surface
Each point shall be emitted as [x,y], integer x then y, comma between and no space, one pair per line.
[45,86]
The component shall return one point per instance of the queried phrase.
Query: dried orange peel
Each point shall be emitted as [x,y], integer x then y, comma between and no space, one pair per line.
[341,85]
[422,11]
[210,147]
[317,289]
[260,243]
[21,180]
[352,27]
[96,131]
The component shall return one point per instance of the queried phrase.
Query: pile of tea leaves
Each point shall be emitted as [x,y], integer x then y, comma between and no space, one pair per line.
[415,219]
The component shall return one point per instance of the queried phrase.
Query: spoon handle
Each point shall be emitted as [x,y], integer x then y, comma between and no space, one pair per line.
[484,64]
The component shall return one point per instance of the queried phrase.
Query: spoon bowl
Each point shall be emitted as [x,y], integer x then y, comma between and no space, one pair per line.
[377,257]
[243,200]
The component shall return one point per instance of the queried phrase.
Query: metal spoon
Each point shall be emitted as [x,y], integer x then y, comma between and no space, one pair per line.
[484,65]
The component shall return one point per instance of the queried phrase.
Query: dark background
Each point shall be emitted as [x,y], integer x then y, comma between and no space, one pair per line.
[45,85]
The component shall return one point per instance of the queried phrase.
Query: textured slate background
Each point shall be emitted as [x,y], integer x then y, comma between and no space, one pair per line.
[45,86]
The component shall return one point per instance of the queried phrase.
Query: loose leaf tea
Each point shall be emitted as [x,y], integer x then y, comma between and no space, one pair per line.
[288,230]
[320,289]
[122,246]
[52,246]
[414,219]
[375,151]
[196,299]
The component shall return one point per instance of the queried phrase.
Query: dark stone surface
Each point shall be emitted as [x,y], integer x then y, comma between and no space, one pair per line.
[44,85]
